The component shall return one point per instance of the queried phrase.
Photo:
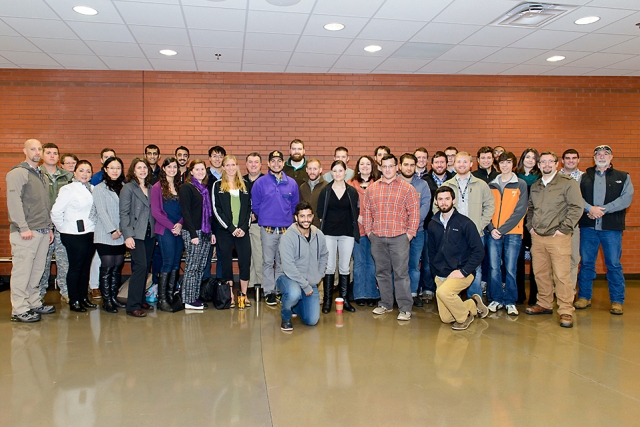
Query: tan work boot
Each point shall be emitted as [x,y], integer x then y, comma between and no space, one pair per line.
[616,308]
[582,303]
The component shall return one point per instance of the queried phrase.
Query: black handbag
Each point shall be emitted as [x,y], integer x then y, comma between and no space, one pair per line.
[222,298]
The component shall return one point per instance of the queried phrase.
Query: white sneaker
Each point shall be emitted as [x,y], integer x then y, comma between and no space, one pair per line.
[404,315]
[494,306]
[380,310]
[195,305]
[512,310]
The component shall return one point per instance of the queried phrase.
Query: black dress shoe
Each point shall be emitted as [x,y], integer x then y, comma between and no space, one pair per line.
[146,306]
[371,303]
[77,306]
[417,301]
[136,313]
[360,302]
[87,304]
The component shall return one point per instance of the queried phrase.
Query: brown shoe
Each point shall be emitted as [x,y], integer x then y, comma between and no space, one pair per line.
[95,294]
[566,321]
[137,313]
[536,309]
[616,308]
[582,303]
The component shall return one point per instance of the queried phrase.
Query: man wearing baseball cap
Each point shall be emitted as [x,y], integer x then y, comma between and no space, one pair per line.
[274,197]
[607,193]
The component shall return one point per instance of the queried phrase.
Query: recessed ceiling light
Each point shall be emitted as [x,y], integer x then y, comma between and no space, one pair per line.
[373,48]
[168,52]
[334,26]
[85,10]
[587,20]
[283,2]
[555,58]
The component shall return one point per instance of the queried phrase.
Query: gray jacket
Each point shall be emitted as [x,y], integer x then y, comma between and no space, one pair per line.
[135,212]
[303,261]
[27,199]
[106,214]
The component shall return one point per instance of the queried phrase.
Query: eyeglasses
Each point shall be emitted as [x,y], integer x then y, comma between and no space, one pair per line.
[547,162]
[217,156]
[70,163]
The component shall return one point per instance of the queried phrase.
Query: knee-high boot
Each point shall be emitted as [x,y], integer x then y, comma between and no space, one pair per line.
[105,289]
[116,279]
[328,293]
[343,284]
[171,285]
[163,280]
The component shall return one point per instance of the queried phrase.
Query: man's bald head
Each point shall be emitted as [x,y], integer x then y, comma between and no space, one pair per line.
[33,151]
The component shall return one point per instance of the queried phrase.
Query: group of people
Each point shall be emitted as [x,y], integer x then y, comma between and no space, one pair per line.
[416,234]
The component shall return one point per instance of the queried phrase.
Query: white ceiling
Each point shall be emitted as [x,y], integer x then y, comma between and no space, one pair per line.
[417,36]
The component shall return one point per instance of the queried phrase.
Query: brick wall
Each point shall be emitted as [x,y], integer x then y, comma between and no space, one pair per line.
[83,111]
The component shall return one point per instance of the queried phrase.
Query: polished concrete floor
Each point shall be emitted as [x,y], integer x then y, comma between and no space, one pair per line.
[227,368]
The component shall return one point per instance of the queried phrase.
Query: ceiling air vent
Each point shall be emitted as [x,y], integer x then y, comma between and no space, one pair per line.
[532,15]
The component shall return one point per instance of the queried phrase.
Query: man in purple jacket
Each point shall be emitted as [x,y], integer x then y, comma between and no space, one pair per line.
[274,197]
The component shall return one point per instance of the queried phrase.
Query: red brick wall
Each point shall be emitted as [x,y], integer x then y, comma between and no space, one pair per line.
[83,111]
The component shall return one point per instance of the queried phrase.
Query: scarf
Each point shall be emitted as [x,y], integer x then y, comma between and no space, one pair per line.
[206,206]
[86,184]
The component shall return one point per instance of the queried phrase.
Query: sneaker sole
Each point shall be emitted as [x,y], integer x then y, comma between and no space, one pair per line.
[18,320]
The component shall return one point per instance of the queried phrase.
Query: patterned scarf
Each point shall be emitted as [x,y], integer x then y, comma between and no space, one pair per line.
[86,184]
[206,206]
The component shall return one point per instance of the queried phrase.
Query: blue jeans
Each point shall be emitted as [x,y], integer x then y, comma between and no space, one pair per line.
[364,271]
[426,279]
[416,248]
[295,301]
[171,248]
[611,242]
[508,246]
[476,286]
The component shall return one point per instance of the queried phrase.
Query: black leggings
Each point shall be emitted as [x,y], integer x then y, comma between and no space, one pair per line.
[80,249]
[226,242]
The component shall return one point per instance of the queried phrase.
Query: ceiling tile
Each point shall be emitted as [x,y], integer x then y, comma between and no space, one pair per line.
[623,26]
[171,65]
[209,54]
[402,65]
[102,32]
[262,41]
[222,39]
[486,68]
[527,70]
[60,46]
[107,13]
[6,30]
[330,45]
[219,66]
[304,6]
[632,47]
[597,60]
[468,53]
[313,60]
[89,61]
[352,26]
[608,72]
[386,29]
[41,28]
[215,19]
[620,4]
[443,67]
[607,16]
[29,58]
[119,63]
[595,42]
[357,48]
[629,64]
[26,9]
[413,10]
[546,39]
[17,44]
[153,51]
[160,35]
[496,36]
[634,73]
[570,57]
[510,55]
[567,71]
[349,61]
[152,14]
[266,57]
[224,4]
[338,70]
[475,12]
[361,8]
[260,68]
[421,50]
[436,32]
[126,50]
[276,22]
[295,69]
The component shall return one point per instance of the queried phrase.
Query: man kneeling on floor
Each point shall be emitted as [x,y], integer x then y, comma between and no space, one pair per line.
[455,251]
[303,255]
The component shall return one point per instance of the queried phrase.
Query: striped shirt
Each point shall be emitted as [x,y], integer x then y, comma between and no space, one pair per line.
[391,209]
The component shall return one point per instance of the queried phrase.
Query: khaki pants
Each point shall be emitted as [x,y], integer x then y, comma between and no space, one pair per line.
[575,256]
[255,277]
[450,305]
[551,258]
[28,258]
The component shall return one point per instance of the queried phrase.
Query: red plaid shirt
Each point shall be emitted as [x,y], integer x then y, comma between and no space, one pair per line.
[391,209]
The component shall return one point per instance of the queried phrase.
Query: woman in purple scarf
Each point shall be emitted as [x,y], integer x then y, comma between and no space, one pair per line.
[195,205]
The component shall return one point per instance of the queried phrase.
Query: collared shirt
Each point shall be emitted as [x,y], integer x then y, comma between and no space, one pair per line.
[576,174]
[439,181]
[463,196]
[545,181]
[275,230]
[420,174]
[391,209]
[312,184]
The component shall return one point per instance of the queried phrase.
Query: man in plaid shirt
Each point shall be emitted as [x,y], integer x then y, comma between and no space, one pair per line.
[391,212]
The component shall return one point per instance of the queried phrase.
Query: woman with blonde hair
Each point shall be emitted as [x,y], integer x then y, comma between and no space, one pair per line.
[232,208]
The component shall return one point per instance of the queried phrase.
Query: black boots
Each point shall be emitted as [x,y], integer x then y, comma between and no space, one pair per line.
[163,281]
[328,291]
[171,285]
[344,284]
[105,289]
[116,278]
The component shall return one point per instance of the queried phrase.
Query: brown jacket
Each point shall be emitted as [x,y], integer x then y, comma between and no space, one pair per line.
[556,206]
[311,197]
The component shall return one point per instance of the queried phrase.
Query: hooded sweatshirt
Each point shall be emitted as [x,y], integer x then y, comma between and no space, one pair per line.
[304,261]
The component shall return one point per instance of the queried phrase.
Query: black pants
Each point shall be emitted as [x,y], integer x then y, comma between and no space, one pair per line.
[225,242]
[80,250]
[141,258]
